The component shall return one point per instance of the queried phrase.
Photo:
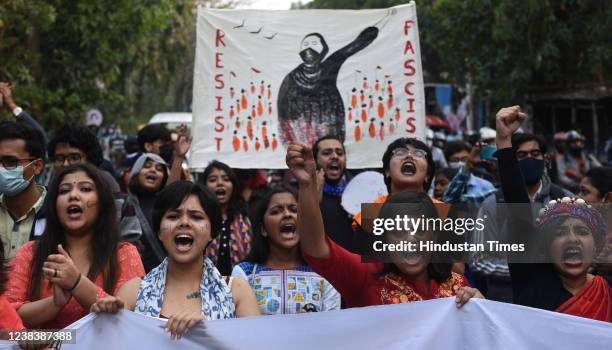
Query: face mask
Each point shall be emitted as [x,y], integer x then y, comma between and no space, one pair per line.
[166,152]
[456,165]
[12,182]
[575,150]
[532,170]
[309,56]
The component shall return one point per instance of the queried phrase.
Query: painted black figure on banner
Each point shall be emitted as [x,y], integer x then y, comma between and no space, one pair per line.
[309,103]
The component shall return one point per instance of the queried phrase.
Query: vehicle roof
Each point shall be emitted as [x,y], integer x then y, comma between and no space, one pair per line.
[171,117]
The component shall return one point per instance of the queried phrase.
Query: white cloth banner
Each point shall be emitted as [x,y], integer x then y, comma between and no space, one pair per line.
[431,325]
[265,78]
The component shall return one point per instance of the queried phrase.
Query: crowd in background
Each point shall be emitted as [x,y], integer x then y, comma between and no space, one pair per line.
[93,220]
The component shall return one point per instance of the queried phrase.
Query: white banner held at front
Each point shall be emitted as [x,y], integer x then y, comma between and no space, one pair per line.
[266,78]
[435,324]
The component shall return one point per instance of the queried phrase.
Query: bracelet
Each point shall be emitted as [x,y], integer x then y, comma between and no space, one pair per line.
[76,283]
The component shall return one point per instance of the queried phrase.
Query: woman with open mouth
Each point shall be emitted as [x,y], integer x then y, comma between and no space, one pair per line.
[78,259]
[185,288]
[406,278]
[148,176]
[275,269]
[234,241]
[407,165]
[553,272]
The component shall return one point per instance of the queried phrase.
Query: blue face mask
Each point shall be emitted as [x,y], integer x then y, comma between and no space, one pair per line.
[12,182]
[532,170]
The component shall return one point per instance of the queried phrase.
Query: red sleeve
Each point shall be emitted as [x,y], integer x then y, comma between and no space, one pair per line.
[9,319]
[19,276]
[464,281]
[344,270]
[130,265]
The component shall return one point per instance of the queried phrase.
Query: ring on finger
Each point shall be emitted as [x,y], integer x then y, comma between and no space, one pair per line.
[54,272]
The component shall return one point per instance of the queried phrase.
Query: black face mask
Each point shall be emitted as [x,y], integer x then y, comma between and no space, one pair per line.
[166,152]
[310,56]
[532,170]
[575,151]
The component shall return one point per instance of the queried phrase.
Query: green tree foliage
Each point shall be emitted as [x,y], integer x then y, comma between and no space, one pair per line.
[507,47]
[129,58]
[132,58]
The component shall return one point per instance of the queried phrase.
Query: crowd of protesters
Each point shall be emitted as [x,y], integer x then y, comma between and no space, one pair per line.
[78,236]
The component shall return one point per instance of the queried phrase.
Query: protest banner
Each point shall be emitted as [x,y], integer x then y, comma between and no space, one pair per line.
[263,79]
[432,325]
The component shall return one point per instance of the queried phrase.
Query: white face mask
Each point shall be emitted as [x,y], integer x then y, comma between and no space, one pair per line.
[456,165]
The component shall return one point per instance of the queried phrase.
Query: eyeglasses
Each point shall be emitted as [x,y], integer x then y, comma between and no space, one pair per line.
[534,153]
[462,159]
[72,158]
[10,163]
[404,152]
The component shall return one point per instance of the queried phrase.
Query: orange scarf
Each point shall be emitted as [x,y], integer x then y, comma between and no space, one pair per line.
[593,301]
[442,207]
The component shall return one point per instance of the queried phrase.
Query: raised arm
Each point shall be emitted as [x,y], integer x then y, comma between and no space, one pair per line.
[181,147]
[508,120]
[364,39]
[310,221]
[6,91]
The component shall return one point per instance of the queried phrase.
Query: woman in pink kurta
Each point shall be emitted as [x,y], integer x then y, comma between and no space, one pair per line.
[128,261]
[54,281]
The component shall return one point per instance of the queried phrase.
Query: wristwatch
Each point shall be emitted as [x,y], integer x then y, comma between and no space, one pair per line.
[17,111]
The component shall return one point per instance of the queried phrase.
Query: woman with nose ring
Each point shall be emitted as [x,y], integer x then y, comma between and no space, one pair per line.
[567,235]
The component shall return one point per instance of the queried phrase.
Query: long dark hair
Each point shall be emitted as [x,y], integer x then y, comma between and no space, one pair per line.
[236,204]
[260,248]
[105,238]
[417,203]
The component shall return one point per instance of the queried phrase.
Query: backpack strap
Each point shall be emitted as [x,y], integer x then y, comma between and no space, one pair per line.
[146,229]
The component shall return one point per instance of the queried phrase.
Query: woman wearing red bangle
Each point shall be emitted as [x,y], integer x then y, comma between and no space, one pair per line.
[78,259]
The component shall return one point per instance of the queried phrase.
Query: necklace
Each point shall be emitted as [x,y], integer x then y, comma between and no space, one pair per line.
[194,295]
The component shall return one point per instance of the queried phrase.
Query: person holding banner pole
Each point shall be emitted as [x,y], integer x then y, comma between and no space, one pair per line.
[78,259]
[185,288]
[366,284]
[553,272]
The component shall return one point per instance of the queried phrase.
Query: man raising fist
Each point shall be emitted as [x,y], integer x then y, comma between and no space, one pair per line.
[507,121]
